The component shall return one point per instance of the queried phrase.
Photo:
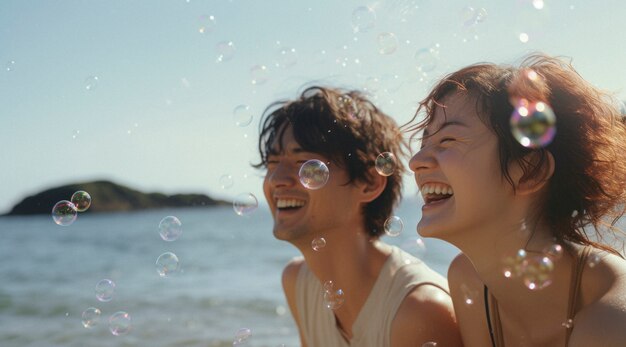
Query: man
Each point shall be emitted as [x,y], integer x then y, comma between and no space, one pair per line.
[349,288]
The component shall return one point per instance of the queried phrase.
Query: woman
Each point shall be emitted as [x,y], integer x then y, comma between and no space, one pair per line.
[516,165]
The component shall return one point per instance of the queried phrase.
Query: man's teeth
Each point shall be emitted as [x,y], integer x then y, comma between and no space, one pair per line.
[432,188]
[283,203]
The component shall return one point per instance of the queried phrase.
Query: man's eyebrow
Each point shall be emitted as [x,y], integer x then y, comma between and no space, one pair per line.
[449,123]
[294,150]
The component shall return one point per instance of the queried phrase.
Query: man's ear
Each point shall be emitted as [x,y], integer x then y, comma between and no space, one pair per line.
[372,188]
[527,183]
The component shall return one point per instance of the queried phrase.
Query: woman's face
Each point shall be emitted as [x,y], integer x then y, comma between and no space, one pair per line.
[458,173]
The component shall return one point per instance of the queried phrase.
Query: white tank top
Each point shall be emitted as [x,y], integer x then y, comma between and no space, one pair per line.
[400,274]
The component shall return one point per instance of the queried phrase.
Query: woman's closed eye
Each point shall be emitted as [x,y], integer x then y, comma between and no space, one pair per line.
[447,139]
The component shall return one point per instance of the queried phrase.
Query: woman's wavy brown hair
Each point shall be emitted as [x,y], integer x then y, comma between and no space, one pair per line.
[588,187]
[347,129]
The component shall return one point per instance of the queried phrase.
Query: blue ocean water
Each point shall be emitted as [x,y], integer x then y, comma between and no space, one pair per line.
[229,278]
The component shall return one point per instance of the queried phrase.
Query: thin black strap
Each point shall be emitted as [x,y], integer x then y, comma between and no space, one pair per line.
[493,340]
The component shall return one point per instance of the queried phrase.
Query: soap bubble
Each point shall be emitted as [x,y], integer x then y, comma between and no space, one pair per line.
[10,65]
[91,317]
[568,324]
[333,299]
[554,251]
[226,181]
[512,266]
[286,57]
[245,203]
[363,19]
[328,285]
[426,59]
[241,336]
[105,290]
[170,228]
[119,323]
[167,264]
[82,200]
[318,244]
[242,115]
[225,51]
[207,24]
[533,124]
[593,260]
[313,174]
[537,272]
[91,83]
[64,213]
[259,74]
[393,226]
[386,164]
[348,105]
[387,43]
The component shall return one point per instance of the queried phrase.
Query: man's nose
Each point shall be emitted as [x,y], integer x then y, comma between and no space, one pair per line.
[284,175]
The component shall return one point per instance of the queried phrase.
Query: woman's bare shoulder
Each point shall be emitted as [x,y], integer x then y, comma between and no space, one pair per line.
[602,320]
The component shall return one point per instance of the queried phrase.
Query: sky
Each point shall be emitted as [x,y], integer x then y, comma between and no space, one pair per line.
[166,96]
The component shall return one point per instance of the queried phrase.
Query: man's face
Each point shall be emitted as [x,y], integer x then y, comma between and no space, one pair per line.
[301,214]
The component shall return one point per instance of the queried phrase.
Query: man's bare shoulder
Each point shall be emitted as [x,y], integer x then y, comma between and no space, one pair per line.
[602,322]
[290,272]
[425,315]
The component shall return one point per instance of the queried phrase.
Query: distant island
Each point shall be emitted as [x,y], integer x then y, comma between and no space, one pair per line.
[107,196]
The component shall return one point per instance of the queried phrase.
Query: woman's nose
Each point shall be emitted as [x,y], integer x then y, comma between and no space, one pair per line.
[422,160]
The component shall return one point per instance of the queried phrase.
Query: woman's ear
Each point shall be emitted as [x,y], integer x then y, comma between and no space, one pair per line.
[530,183]
[372,188]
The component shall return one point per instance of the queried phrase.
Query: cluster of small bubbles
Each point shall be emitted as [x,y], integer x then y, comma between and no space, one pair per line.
[10,65]
[523,37]
[512,266]
[64,213]
[119,323]
[537,272]
[318,244]
[226,181]
[593,260]
[430,344]
[363,19]
[170,228]
[554,251]
[286,57]
[225,51]
[81,200]
[75,134]
[387,43]
[207,24]
[167,264]
[472,17]
[313,174]
[333,299]
[242,115]
[426,59]
[245,204]
[259,74]
[533,124]
[385,164]
[91,82]
[241,336]
[538,4]
[105,290]
[91,317]
[568,324]
[394,226]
